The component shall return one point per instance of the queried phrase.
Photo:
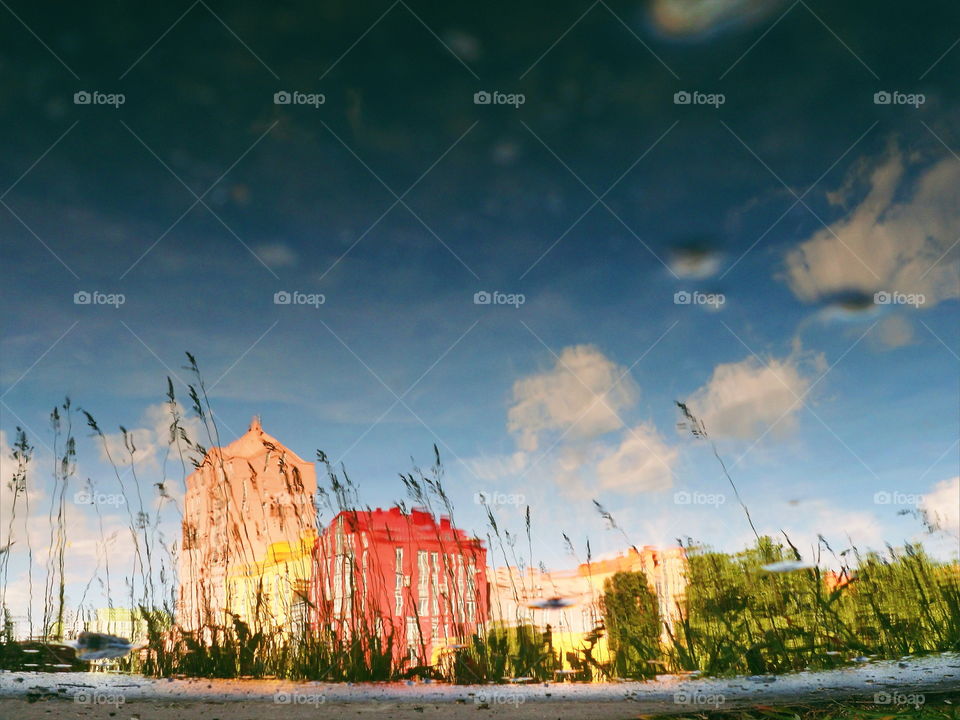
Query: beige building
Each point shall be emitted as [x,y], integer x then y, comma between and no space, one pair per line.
[249,529]
[513,592]
[122,622]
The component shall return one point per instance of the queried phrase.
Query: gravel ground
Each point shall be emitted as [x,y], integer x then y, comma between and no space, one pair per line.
[24,696]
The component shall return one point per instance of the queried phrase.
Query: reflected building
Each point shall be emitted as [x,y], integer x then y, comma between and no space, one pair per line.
[249,529]
[578,628]
[399,581]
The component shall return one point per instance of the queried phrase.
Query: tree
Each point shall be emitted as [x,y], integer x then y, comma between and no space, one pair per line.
[632,618]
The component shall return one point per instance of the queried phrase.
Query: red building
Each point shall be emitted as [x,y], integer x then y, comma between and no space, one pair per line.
[389,580]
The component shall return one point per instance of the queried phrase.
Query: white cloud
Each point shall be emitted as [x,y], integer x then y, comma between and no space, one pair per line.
[838,526]
[942,506]
[151,440]
[276,255]
[497,467]
[895,331]
[590,450]
[897,239]
[695,262]
[643,462]
[141,442]
[580,393]
[10,511]
[8,468]
[743,399]
[86,548]
[686,19]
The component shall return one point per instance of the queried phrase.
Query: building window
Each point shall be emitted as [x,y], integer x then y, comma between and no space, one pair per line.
[189,536]
[471,591]
[423,582]
[398,597]
[423,570]
[413,639]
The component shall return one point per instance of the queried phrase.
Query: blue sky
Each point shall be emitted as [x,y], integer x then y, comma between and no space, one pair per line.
[781,213]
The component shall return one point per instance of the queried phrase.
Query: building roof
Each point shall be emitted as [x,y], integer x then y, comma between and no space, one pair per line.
[397,524]
[254,444]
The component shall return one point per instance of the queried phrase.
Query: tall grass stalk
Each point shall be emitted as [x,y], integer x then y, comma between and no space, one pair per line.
[736,617]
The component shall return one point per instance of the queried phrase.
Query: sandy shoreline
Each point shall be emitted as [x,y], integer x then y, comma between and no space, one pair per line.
[95,695]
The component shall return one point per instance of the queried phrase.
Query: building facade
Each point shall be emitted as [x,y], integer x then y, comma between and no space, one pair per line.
[574,629]
[402,579]
[249,529]
[396,582]
[122,622]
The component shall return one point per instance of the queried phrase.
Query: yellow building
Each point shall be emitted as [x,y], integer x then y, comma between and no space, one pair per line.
[249,527]
[274,590]
[514,595]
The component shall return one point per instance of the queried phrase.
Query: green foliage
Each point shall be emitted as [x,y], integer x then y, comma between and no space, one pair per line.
[736,617]
[740,618]
[502,653]
[632,619]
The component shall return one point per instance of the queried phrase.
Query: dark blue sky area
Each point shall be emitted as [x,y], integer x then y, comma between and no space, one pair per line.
[599,199]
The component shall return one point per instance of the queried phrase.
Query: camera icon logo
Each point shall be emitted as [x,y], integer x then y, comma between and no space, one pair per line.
[282,297]
[82,497]
[882,698]
[682,97]
[681,297]
[882,498]
[82,297]
[282,97]
[881,298]
[82,97]
[282,698]
[882,98]
[481,97]
[480,498]
[482,298]
[681,498]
